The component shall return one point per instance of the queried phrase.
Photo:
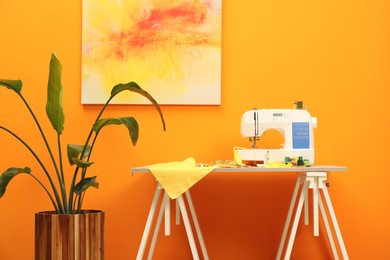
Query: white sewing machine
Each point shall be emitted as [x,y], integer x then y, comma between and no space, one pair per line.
[296,125]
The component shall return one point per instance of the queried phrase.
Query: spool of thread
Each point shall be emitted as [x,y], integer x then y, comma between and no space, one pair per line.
[300,161]
[298,105]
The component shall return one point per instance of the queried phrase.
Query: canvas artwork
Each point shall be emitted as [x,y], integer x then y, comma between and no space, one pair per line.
[172,49]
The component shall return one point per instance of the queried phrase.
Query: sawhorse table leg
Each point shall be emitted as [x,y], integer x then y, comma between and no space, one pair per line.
[315,181]
[165,208]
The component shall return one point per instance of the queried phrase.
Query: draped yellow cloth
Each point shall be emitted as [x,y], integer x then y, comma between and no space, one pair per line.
[177,177]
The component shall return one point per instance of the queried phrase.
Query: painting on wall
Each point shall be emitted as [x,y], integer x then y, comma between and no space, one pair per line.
[172,49]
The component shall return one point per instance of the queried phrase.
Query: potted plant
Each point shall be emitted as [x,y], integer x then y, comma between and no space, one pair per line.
[63,232]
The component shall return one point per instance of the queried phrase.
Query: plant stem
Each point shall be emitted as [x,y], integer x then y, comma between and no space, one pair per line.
[48,148]
[62,181]
[48,193]
[71,191]
[61,209]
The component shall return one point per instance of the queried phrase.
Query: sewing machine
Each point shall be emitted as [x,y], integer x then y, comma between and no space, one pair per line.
[296,125]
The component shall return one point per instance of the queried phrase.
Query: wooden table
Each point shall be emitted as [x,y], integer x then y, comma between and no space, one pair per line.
[308,178]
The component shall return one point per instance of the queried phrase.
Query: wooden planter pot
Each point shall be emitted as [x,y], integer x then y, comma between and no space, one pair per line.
[69,237]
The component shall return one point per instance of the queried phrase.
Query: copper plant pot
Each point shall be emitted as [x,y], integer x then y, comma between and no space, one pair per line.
[69,236]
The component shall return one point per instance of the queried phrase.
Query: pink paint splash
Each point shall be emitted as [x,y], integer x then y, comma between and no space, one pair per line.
[185,14]
[160,26]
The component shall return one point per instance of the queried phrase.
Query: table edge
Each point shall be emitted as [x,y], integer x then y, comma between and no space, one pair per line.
[314,168]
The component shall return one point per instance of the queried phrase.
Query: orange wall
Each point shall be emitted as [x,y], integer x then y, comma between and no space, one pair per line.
[333,55]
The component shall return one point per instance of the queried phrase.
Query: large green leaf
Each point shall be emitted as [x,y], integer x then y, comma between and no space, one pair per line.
[134,87]
[54,105]
[8,175]
[15,85]
[74,151]
[129,122]
[85,184]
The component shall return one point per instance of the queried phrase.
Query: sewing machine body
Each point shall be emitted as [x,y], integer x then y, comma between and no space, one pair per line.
[295,125]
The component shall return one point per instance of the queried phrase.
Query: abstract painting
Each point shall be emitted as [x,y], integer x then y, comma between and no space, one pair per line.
[172,49]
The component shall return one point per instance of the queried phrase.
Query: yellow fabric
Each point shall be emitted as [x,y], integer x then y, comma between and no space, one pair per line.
[237,157]
[279,165]
[177,177]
